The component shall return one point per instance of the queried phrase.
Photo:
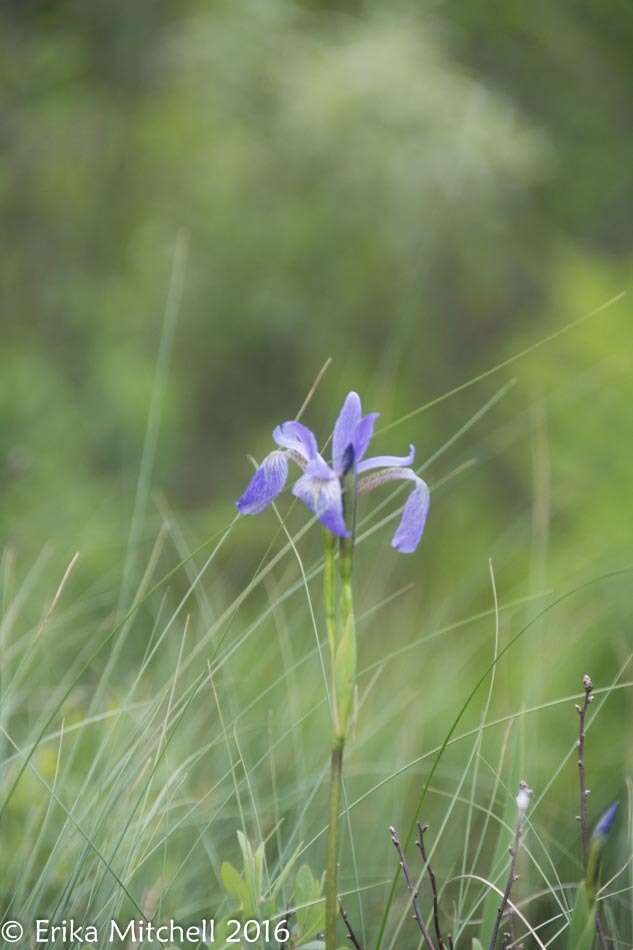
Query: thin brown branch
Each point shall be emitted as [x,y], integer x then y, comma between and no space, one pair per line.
[412,891]
[350,930]
[584,792]
[436,904]
[523,799]
[582,781]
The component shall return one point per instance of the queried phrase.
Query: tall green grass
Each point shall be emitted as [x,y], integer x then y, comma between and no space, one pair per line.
[150,718]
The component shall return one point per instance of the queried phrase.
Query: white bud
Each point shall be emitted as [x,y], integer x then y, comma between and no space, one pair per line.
[523,798]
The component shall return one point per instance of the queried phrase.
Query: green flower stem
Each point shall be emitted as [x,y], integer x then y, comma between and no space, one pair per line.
[342,640]
[331,867]
[329,591]
[345,659]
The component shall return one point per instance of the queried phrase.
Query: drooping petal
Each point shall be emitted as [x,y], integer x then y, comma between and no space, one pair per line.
[411,527]
[387,461]
[362,435]
[296,437]
[265,485]
[344,429]
[320,490]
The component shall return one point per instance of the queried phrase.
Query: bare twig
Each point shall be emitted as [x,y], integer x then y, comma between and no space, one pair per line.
[523,800]
[584,791]
[412,892]
[587,685]
[436,906]
[350,930]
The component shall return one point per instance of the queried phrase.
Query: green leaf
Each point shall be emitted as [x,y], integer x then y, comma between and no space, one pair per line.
[284,873]
[476,944]
[259,870]
[582,930]
[252,872]
[246,849]
[235,886]
[310,915]
[222,932]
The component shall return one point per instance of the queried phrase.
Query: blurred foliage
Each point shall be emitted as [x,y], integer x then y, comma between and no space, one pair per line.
[391,188]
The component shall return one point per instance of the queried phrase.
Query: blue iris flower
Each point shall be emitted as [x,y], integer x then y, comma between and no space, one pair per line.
[320,487]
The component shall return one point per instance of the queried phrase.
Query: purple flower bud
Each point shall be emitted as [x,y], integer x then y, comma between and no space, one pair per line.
[605,823]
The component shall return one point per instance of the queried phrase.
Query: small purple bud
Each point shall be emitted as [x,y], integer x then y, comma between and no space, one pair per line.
[605,824]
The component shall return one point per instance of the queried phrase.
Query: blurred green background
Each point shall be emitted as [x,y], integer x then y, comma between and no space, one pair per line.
[418,191]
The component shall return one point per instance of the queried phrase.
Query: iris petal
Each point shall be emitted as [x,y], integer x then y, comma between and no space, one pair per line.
[362,435]
[296,437]
[344,428]
[411,527]
[322,495]
[387,461]
[265,485]
[319,468]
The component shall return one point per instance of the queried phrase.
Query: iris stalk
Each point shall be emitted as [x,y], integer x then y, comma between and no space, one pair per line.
[342,639]
[327,490]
